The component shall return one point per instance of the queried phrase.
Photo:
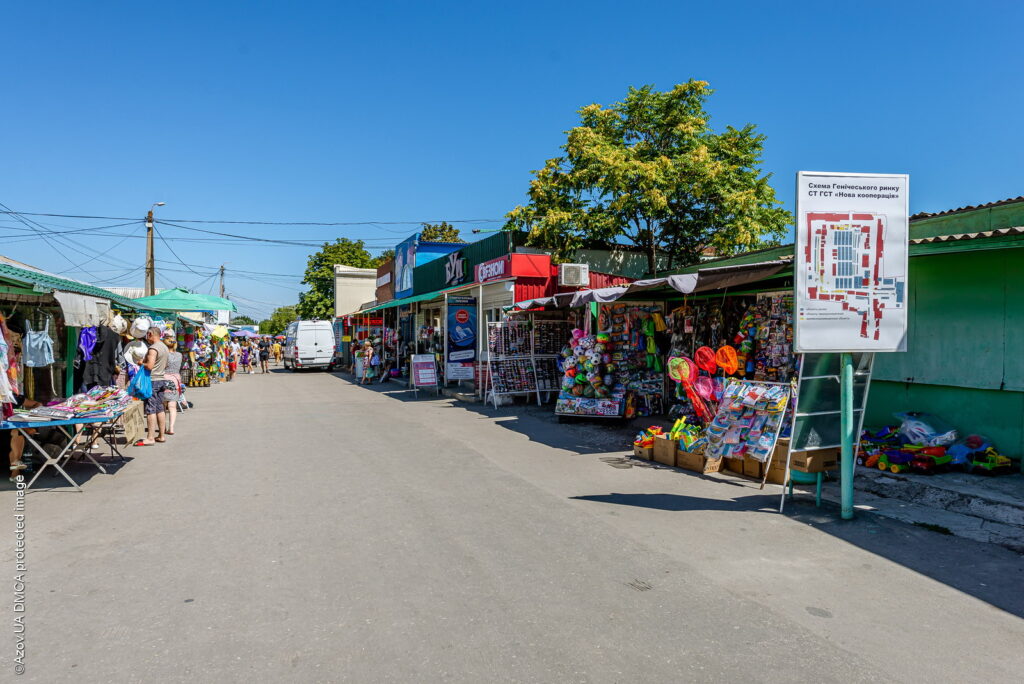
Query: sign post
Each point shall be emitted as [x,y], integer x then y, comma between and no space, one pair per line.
[851,280]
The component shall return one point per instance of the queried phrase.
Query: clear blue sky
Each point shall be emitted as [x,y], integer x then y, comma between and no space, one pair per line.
[336,111]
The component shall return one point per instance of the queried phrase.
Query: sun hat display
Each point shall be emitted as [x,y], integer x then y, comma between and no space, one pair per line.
[118,324]
[140,326]
[727,359]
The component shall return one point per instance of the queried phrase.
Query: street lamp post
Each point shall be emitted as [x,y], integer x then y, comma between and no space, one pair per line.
[150,287]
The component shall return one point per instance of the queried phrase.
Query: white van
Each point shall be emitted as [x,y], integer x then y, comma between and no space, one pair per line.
[308,344]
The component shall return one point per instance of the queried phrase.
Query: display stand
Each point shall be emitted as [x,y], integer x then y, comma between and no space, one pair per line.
[424,373]
[547,340]
[510,362]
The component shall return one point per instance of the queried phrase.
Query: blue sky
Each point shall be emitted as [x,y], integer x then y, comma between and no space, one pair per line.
[330,111]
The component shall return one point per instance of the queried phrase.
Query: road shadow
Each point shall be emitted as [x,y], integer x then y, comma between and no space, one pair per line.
[987,572]
[79,469]
[680,502]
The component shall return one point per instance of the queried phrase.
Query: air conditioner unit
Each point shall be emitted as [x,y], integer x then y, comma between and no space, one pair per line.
[574,275]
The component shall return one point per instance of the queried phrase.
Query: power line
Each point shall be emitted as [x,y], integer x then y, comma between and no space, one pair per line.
[268,223]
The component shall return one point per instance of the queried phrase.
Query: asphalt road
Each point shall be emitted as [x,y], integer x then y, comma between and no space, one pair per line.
[302,528]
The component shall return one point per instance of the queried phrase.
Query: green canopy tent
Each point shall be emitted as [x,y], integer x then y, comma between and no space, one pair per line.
[183,300]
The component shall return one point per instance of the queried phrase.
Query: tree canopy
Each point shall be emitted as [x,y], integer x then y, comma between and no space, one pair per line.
[278,321]
[318,301]
[242,320]
[651,172]
[440,232]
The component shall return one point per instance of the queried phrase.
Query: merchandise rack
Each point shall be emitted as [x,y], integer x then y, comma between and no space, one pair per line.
[522,357]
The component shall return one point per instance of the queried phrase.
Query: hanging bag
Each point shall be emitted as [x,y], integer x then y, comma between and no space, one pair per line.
[141,386]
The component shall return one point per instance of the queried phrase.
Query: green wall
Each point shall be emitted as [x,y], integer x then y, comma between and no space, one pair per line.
[965,349]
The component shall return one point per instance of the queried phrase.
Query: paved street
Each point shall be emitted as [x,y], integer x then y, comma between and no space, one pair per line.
[302,528]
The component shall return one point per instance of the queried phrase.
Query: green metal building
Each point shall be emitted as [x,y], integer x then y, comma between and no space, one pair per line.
[965,349]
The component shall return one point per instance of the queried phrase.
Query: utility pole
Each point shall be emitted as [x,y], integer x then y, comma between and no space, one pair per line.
[150,287]
[222,281]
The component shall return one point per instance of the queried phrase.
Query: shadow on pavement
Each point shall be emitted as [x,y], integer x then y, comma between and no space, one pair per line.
[680,502]
[987,572]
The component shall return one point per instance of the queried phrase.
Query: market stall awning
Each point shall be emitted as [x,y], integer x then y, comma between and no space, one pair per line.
[686,283]
[81,303]
[183,300]
[425,297]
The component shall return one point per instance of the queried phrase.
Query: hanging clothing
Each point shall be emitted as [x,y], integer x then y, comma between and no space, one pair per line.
[38,347]
[101,369]
[87,342]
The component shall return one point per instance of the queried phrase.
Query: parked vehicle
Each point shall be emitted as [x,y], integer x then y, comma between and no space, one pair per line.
[309,344]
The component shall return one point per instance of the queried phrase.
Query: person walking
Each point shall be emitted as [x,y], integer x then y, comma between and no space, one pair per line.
[368,357]
[264,348]
[155,362]
[172,375]
[277,351]
[245,357]
[234,355]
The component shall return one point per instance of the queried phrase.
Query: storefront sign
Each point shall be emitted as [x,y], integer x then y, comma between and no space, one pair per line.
[384,279]
[493,269]
[405,262]
[461,338]
[454,269]
[851,262]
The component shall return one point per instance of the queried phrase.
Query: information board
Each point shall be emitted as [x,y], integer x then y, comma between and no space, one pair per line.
[424,370]
[851,262]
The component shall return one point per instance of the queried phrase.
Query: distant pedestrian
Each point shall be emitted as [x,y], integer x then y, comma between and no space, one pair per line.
[264,348]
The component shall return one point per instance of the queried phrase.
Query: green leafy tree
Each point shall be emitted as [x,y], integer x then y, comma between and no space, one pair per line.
[650,171]
[318,302]
[278,321]
[385,256]
[242,320]
[440,232]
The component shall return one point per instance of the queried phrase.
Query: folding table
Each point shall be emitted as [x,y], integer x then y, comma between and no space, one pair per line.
[73,438]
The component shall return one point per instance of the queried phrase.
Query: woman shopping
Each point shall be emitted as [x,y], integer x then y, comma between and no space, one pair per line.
[172,392]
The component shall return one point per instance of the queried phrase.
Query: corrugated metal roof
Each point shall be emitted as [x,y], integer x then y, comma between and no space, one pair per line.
[973,207]
[47,282]
[998,232]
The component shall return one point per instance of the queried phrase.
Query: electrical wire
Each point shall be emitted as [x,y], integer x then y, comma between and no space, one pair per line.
[270,223]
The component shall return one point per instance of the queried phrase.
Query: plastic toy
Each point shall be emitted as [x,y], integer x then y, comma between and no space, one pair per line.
[988,462]
[930,460]
[895,460]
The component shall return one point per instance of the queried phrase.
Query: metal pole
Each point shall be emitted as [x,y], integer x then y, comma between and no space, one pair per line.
[847,427]
[222,281]
[150,288]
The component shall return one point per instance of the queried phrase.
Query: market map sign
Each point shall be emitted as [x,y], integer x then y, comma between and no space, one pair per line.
[851,262]
[461,338]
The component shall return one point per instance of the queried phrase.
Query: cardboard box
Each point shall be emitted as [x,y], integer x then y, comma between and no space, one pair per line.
[777,470]
[665,450]
[753,468]
[815,461]
[645,453]
[713,465]
[134,422]
[734,465]
[697,462]
[690,461]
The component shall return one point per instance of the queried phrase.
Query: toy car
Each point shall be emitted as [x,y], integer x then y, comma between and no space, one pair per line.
[988,462]
[929,460]
[895,460]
